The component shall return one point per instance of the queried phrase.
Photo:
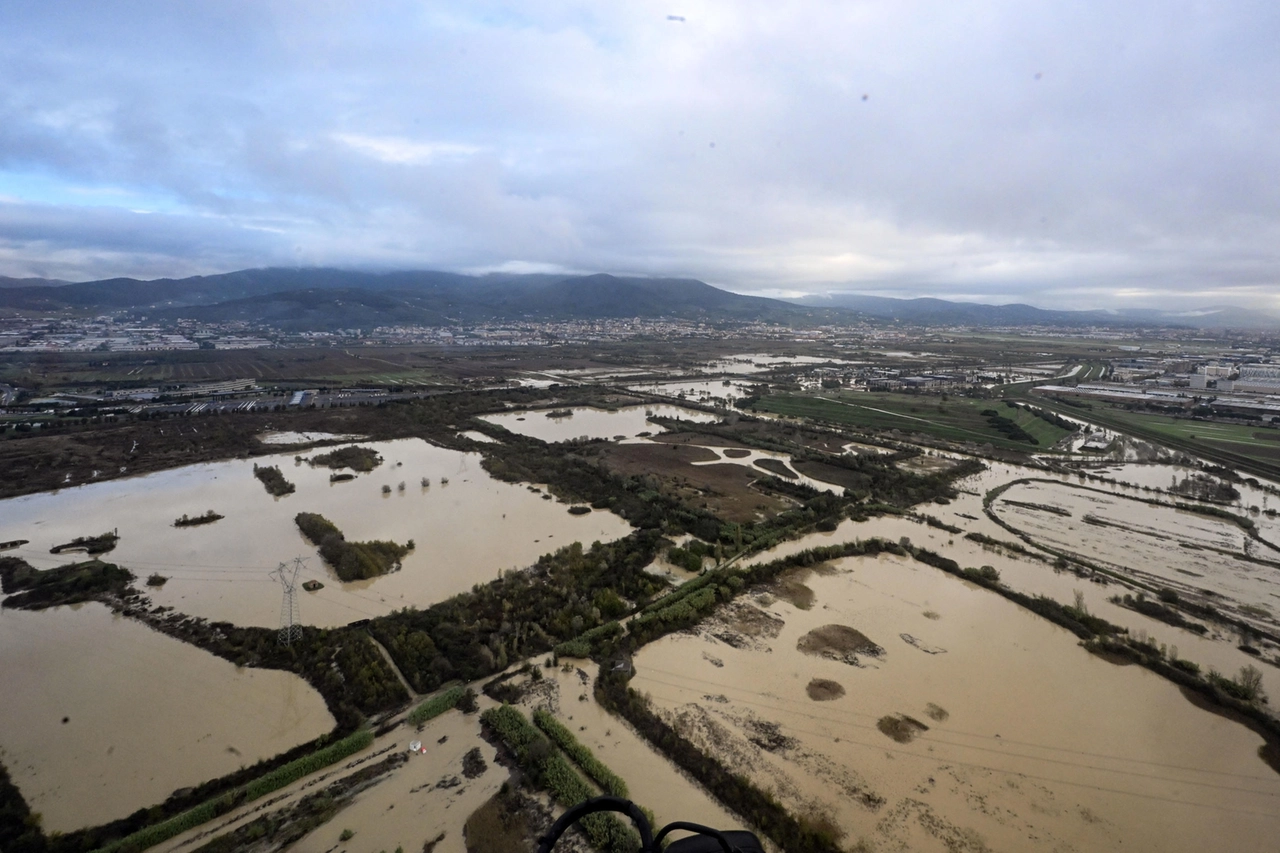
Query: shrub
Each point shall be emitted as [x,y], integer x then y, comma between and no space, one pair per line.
[437,705]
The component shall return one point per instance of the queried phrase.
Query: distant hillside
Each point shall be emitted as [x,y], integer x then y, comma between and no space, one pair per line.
[5,281]
[941,312]
[300,299]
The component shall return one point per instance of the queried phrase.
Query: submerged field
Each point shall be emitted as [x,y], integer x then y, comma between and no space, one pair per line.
[100,715]
[465,531]
[1002,733]
[880,698]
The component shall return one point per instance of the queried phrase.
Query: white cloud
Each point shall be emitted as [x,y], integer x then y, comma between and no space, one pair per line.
[405,151]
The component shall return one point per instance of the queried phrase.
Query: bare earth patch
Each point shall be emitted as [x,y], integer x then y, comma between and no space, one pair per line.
[824,690]
[839,643]
[900,727]
[936,712]
[743,626]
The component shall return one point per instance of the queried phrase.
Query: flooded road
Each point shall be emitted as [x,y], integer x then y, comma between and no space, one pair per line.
[1031,743]
[465,531]
[145,714]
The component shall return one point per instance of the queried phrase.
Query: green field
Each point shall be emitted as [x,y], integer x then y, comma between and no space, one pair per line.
[1245,445]
[955,419]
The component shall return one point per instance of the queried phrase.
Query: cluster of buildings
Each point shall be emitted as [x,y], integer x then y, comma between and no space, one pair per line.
[1248,386]
[105,334]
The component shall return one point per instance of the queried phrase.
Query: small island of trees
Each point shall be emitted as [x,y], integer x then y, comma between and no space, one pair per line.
[361,459]
[100,544]
[273,480]
[187,521]
[351,561]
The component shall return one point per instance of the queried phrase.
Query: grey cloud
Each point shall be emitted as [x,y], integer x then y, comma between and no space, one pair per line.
[1048,152]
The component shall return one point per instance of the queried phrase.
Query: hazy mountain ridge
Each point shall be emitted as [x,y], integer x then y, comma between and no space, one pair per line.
[931,311]
[323,298]
[298,299]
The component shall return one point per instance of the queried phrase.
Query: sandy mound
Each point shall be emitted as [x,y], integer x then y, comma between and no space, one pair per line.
[840,643]
[824,690]
[900,727]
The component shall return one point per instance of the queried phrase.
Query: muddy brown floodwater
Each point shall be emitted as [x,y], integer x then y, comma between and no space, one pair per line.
[1169,547]
[1031,742]
[628,421]
[465,531]
[146,714]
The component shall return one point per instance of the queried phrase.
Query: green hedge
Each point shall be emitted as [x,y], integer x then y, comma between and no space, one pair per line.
[609,782]
[435,706]
[308,764]
[585,643]
[548,769]
[207,811]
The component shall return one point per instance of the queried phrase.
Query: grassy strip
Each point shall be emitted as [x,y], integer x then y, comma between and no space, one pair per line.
[609,782]
[548,769]
[435,706]
[207,811]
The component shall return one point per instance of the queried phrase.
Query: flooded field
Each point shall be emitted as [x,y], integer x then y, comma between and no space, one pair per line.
[1217,649]
[627,422]
[291,437]
[101,716]
[1174,548]
[465,531]
[966,724]
[703,391]
[750,458]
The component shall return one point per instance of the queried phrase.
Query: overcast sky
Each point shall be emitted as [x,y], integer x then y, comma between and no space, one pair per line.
[1067,154]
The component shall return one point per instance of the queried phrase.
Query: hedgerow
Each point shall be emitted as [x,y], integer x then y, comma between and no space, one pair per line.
[547,768]
[609,782]
[435,706]
[207,811]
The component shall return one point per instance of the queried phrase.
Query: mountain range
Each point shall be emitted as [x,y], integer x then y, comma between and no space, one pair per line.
[940,312]
[326,299]
[303,299]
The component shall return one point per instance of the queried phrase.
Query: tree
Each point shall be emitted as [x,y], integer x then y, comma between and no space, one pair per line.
[1250,681]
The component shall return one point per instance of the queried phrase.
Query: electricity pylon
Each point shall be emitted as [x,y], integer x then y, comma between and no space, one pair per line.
[290,624]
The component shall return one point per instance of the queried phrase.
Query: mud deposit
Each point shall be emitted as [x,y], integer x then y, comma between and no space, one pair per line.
[144,714]
[839,643]
[824,690]
[1024,740]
